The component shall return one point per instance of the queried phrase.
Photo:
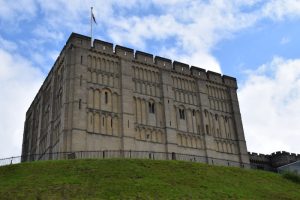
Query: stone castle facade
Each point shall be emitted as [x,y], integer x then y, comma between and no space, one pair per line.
[112,98]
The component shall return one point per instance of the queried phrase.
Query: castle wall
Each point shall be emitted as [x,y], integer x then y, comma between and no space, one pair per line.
[272,161]
[112,98]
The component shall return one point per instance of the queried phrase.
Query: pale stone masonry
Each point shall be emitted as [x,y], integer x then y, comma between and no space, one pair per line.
[112,98]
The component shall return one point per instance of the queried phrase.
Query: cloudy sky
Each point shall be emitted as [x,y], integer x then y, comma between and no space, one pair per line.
[256,41]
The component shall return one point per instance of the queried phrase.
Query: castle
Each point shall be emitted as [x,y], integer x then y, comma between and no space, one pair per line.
[273,161]
[112,98]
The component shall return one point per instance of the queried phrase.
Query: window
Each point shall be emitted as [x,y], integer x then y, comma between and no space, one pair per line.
[207,129]
[181,114]
[205,112]
[193,112]
[151,107]
[106,97]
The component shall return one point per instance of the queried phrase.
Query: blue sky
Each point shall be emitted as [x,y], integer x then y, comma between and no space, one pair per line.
[255,41]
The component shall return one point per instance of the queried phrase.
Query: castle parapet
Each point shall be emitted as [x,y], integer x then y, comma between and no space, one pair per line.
[163,62]
[104,46]
[198,72]
[230,81]
[124,52]
[144,57]
[181,67]
[215,77]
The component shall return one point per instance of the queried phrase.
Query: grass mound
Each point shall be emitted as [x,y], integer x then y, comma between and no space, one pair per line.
[292,176]
[139,179]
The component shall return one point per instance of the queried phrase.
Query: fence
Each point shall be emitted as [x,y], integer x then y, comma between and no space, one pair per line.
[121,154]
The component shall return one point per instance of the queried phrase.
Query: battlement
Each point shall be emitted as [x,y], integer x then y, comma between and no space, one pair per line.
[275,154]
[142,57]
[273,160]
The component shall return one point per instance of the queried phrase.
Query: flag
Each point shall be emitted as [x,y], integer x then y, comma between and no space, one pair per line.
[93,17]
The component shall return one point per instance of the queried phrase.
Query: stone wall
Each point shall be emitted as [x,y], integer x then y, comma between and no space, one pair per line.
[271,162]
[113,98]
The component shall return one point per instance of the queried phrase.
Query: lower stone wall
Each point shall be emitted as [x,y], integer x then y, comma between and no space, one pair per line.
[270,162]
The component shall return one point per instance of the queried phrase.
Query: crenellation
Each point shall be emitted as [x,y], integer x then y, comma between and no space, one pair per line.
[104,46]
[229,81]
[272,161]
[214,77]
[198,72]
[124,52]
[181,67]
[163,62]
[144,57]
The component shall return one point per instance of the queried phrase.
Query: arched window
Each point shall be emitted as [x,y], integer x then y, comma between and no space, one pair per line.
[151,107]
[216,117]
[205,113]
[181,113]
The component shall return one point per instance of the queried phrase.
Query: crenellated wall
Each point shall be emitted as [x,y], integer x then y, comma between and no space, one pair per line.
[115,98]
[271,162]
[146,58]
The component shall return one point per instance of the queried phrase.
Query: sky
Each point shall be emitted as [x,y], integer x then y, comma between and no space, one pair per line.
[256,41]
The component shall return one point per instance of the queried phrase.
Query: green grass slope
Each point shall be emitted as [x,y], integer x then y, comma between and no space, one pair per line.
[139,179]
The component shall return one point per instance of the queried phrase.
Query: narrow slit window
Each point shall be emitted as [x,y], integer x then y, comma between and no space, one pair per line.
[106,97]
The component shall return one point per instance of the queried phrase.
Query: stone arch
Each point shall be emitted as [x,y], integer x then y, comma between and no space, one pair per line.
[94,77]
[143,133]
[115,100]
[90,121]
[106,99]
[96,123]
[199,146]
[179,140]
[98,63]
[109,124]
[89,76]
[90,100]
[97,99]
[103,124]
[89,61]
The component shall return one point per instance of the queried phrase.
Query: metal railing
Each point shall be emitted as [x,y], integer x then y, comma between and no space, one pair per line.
[128,154]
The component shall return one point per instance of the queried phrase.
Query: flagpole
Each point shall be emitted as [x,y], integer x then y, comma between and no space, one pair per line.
[91,26]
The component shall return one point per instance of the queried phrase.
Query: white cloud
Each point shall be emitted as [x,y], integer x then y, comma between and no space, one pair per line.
[269,101]
[285,40]
[5,44]
[19,82]
[16,11]
[278,9]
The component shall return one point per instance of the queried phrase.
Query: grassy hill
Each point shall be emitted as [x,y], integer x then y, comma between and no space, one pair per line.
[139,179]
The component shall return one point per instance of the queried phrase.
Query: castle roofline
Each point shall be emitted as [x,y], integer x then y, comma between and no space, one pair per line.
[148,58]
